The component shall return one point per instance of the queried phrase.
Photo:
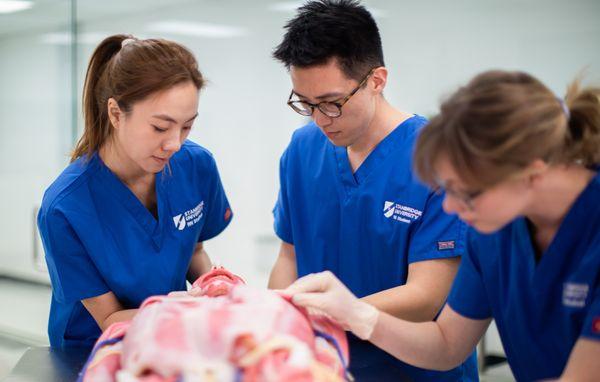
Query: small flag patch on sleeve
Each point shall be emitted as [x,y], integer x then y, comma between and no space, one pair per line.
[596,325]
[444,245]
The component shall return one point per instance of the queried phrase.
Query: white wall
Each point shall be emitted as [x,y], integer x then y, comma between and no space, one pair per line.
[430,48]
[35,139]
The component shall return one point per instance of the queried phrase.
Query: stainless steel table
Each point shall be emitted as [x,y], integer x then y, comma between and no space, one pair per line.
[49,364]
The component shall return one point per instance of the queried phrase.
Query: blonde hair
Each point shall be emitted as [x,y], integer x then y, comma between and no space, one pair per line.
[502,121]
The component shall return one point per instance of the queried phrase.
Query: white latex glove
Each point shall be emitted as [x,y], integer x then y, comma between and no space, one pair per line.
[325,293]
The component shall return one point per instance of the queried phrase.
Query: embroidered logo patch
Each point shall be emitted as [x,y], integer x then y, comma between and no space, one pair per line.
[179,222]
[574,294]
[443,245]
[398,212]
[596,325]
[388,209]
[189,217]
[227,214]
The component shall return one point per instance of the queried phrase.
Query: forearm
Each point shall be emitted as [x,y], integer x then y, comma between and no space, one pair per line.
[118,316]
[199,264]
[424,293]
[438,345]
[419,344]
[407,302]
[583,362]
[283,274]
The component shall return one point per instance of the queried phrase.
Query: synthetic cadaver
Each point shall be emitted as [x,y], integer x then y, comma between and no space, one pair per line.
[220,330]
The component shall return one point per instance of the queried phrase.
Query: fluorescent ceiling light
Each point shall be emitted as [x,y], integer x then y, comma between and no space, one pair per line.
[186,28]
[10,6]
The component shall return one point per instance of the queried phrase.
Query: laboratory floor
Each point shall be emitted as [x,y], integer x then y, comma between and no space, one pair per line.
[24,321]
[498,373]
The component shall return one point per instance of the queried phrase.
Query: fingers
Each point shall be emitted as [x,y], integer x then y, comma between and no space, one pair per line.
[195,292]
[315,282]
[311,300]
[178,294]
[282,292]
[318,313]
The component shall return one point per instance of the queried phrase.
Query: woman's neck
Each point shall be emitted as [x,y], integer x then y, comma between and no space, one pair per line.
[139,182]
[121,164]
[557,192]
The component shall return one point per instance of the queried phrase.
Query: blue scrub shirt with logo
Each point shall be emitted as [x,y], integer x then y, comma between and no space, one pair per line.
[366,227]
[98,236]
[541,308]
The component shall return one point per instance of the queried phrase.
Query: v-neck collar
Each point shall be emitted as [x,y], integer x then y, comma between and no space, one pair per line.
[372,161]
[151,225]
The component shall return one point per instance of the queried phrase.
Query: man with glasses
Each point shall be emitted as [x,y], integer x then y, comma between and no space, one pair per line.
[348,200]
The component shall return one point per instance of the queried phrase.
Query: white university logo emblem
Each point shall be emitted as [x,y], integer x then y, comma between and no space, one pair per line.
[398,212]
[189,217]
[574,295]
[388,209]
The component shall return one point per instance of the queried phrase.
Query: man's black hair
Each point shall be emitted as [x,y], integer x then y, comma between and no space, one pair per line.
[326,29]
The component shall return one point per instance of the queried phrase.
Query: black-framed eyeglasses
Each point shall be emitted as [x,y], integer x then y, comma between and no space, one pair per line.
[332,109]
[465,197]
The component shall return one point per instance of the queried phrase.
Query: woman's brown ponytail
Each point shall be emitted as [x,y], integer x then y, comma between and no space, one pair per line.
[583,137]
[129,70]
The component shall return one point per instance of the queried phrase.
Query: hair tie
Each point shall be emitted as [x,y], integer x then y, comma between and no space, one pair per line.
[127,41]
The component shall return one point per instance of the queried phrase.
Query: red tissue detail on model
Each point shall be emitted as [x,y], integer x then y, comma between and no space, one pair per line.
[221,330]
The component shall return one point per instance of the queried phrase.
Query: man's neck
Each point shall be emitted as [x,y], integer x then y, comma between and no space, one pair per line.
[385,120]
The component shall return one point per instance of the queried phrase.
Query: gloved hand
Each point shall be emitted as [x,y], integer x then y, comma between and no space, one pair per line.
[325,293]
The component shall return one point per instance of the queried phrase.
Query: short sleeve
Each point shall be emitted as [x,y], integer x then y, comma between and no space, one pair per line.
[467,296]
[591,326]
[281,212]
[218,211]
[438,235]
[73,274]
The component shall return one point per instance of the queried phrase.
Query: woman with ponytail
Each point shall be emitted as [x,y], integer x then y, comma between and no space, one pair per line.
[128,217]
[520,166]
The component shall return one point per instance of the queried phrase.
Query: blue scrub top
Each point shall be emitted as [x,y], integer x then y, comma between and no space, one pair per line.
[98,236]
[365,227]
[541,308]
